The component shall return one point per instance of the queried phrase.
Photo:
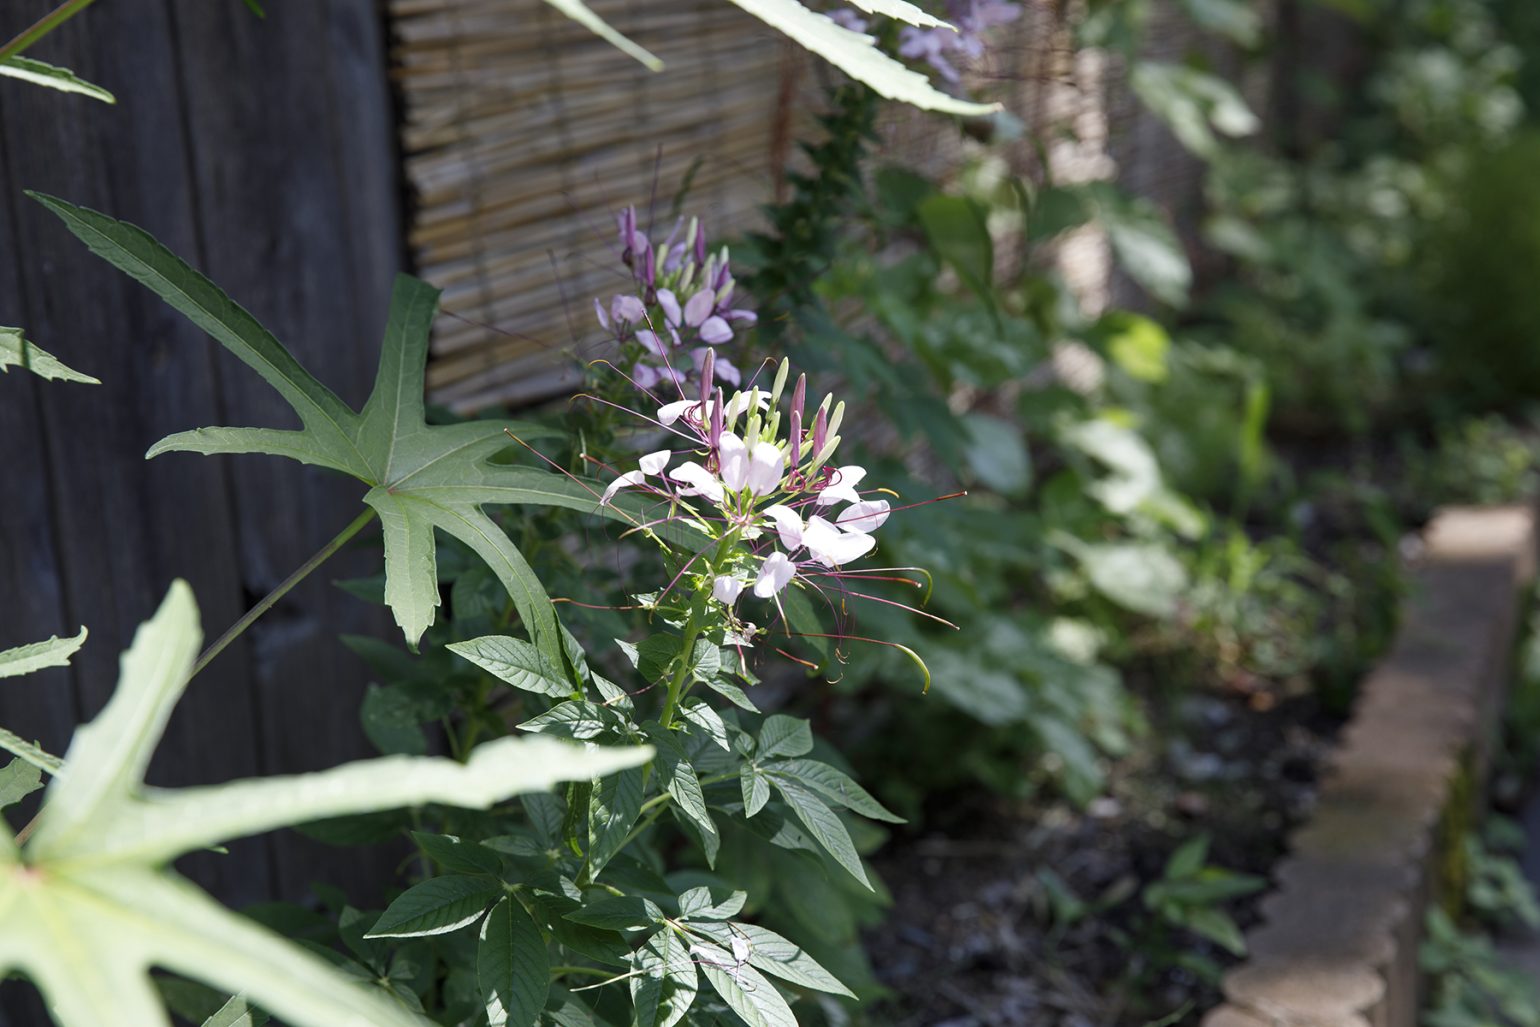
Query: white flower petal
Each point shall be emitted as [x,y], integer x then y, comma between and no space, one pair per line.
[733,459]
[766,465]
[701,482]
[624,480]
[788,524]
[725,589]
[653,463]
[774,574]
[832,547]
[843,486]
[668,413]
[865,516]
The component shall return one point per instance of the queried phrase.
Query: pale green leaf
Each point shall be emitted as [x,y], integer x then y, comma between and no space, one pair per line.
[436,906]
[17,746]
[901,10]
[411,562]
[698,712]
[743,988]
[857,55]
[89,912]
[756,790]
[516,662]
[39,73]
[55,652]
[18,779]
[17,351]
[513,966]
[584,16]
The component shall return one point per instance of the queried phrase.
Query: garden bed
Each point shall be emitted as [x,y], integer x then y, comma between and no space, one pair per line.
[1037,913]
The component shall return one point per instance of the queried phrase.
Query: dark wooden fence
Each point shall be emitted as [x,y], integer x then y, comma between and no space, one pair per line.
[264,153]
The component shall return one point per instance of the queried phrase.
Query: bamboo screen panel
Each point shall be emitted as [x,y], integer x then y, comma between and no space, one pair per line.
[522,133]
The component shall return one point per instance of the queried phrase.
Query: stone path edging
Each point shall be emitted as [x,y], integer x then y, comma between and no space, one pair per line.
[1338,943]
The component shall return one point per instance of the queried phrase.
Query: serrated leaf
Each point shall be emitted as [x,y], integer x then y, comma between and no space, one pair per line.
[458,855]
[823,824]
[666,981]
[613,807]
[422,478]
[39,73]
[436,906]
[698,904]
[513,966]
[16,351]
[835,785]
[902,10]
[756,790]
[55,652]
[89,909]
[516,662]
[857,55]
[578,719]
[30,753]
[776,955]
[784,736]
[743,988]
[18,779]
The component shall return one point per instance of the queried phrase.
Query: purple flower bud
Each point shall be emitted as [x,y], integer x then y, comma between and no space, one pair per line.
[820,430]
[715,331]
[700,246]
[716,420]
[707,375]
[649,271]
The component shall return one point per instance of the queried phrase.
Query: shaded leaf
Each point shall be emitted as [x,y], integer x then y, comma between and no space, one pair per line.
[436,906]
[513,966]
[16,351]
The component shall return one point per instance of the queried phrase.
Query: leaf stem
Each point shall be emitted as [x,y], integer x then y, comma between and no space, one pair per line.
[266,603]
[44,25]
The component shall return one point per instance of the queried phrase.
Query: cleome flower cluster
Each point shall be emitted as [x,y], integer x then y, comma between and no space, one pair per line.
[681,309]
[772,503]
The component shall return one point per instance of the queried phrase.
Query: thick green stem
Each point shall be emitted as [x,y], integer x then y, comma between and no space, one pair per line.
[44,25]
[686,651]
[283,588]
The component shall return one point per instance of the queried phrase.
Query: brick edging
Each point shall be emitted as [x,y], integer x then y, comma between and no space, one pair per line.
[1338,943]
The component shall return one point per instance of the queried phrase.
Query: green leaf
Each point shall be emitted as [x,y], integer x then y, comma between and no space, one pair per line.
[803,620]
[618,913]
[55,652]
[834,785]
[29,69]
[30,753]
[584,16]
[959,234]
[1236,20]
[458,855]
[857,55]
[756,790]
[16,351]
[515,662]
[698,712]
[236,1013]
[18,779]
[732,693]
[743,988]
[513,966]
[901,10]
[997,453]
[1216,925]
[776,956]
[436,906]
[1143,577]
[680,781]
[392,723]
[698,904]
[613,808]
[784,736]
[1196,106]
[652,655]
[578,719]
[423,478]
[89,908]
[823,824]
[666,981]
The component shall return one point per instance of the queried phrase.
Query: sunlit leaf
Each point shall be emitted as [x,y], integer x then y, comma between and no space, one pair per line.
[17,351]
[42,74]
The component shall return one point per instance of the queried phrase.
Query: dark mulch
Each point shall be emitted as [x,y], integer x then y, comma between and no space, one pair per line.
[974,939]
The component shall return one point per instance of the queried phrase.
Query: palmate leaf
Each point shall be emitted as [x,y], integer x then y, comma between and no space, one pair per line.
[17,351]
[854,53]
[422,478]
[88,909]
